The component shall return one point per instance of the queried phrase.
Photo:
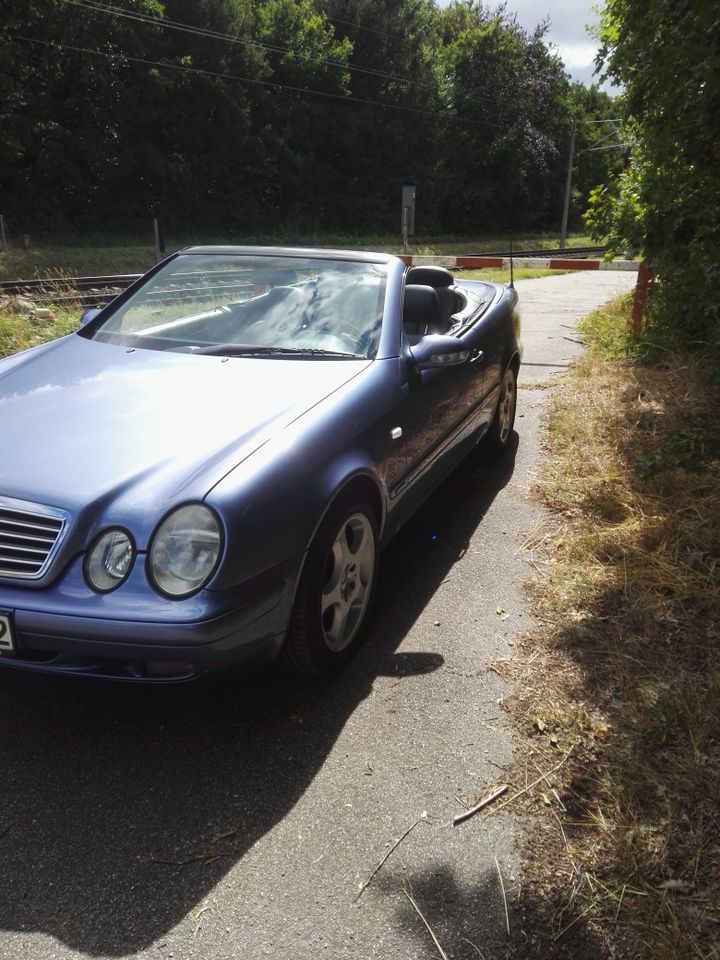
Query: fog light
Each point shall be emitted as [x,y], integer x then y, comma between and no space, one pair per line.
[110,561]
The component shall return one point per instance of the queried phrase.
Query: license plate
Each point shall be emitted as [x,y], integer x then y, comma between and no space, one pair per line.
[7,638]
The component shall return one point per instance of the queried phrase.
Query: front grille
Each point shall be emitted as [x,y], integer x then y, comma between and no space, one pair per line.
[28,538]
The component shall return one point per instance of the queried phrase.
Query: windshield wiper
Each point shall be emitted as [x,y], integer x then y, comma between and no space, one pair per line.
[246,350]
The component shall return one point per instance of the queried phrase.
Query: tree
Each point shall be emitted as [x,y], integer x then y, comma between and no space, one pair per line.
[394,132]
[511,98]
[667,202]
[600,146]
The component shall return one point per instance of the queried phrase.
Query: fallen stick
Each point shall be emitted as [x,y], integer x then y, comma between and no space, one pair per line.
[366,883]
[466,814]
[419,912]
[502,887]
[528,787]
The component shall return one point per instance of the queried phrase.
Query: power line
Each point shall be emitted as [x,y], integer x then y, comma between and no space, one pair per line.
[253,80]
[612,146]
[229,38]
[358,26]
[275,48]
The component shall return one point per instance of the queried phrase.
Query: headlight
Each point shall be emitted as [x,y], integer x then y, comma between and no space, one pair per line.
[109,562]
[185,550]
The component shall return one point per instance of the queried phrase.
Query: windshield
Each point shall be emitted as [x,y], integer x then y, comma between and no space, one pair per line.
[266,306]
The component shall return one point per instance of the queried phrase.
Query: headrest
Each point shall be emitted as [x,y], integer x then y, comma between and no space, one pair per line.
[421,307]
[430,276]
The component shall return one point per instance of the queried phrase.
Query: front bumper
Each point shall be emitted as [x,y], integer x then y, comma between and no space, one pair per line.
[150,651]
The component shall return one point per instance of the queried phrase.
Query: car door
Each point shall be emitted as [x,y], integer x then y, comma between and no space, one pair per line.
[442,408]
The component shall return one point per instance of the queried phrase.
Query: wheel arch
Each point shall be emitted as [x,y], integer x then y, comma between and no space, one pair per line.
[364,487]
[359,488]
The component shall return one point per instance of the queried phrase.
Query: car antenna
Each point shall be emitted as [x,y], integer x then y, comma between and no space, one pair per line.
[512,285]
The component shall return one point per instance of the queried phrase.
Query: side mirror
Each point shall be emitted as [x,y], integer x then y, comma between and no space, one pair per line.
[438,350]
[89,315]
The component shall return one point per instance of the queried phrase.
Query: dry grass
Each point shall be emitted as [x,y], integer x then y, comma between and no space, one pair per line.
[628,661]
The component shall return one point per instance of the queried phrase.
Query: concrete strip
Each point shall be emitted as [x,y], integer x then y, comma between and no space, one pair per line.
[550,309]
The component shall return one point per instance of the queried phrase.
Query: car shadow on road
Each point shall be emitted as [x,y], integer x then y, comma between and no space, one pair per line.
[122,807]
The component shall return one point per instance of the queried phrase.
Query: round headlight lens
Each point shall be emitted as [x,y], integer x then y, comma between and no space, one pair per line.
[109,561]
[185,550]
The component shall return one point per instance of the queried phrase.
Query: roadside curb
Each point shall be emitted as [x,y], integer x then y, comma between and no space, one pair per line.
[552,263]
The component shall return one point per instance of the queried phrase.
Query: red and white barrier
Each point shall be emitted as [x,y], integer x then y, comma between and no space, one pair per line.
[503,263]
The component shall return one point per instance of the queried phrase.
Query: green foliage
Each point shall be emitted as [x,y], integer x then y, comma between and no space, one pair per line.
[667,203]
[599,145]
[283,115]
[689,449]
[512,98]
[607,330]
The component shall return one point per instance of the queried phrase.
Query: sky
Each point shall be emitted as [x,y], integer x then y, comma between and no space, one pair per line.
[568,30]
[569,20]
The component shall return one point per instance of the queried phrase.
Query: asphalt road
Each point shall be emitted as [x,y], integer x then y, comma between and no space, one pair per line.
[239,821]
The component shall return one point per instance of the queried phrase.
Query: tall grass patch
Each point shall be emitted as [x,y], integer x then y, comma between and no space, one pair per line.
[629,602]
[23,329]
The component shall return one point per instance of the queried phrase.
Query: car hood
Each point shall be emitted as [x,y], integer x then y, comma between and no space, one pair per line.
[127,431]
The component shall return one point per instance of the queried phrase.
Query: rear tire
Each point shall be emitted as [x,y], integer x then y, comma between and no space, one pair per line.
[498,437]
[335,589]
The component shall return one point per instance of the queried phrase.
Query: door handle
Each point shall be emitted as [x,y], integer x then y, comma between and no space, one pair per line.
[477,356]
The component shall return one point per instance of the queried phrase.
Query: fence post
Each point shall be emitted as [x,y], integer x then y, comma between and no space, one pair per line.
[642,288]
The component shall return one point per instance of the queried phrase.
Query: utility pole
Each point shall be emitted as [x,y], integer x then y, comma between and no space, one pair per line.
[568,181]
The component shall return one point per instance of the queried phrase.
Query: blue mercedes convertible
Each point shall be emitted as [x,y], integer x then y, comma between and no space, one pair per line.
[205,473]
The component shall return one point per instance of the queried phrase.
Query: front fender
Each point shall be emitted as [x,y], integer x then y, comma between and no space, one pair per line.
[272,503]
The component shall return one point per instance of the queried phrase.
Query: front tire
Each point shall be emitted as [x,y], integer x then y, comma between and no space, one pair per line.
[335,590]
[498,437]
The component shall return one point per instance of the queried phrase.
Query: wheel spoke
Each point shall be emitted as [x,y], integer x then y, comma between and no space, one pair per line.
[335,566]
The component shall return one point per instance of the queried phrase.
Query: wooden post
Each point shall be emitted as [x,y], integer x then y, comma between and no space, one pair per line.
[568,182]
[642,287]
[159,240]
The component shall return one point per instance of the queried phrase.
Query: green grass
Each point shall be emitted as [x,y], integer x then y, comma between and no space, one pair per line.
[22,331]
[58,261]
[607,330]
[80,257]
[503,276]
